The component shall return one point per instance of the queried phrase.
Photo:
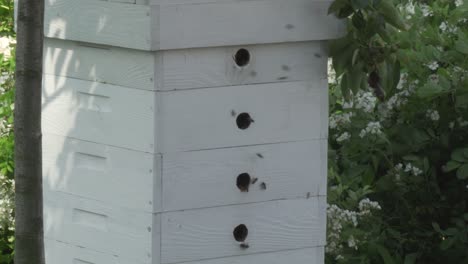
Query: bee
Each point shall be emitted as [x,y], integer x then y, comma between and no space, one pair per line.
[233,113]
[244,245]
[260,155]
[263,186]
[254,180]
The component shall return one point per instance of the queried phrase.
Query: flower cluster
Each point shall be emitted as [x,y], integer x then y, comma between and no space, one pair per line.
[339,218]
[433,114]
[373,128]
[6,202]
[408,168]
[339,119]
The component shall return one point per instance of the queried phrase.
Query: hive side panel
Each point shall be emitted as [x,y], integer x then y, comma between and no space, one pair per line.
[105,64]
[101,22]
[209,178]
[214,67]
[272,226]
[61,253]
[116,176]
[98,226]
[302,256]
[207,118]
[99,113]
[243,22]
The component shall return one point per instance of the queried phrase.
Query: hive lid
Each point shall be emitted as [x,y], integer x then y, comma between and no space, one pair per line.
[179,24]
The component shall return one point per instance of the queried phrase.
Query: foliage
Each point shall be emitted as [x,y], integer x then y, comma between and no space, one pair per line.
[398,132]
[7,66]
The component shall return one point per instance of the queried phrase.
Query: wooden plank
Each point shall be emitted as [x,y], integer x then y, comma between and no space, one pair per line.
[166,25]
[314,255]
[226,23]
[62,253]
[186,68]
[107,174]
[272,226]
[200,179]
[105,64]
[98,112]
[216,67]
[207,118]
[101,22]
[100,227]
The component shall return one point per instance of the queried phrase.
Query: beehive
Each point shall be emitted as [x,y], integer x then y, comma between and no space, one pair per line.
[186,131]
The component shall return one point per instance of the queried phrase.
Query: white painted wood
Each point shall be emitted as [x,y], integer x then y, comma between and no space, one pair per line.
[200,179]
[101,22]
[100,227]
[98,112]
[215,67]
[272,226]
[115,176]
[106,64]
[186,68]
[162,26]
[314,255]
[245,22]
[206,118]
[62,253]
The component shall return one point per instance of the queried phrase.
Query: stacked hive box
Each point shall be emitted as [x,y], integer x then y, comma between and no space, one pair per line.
[185,131]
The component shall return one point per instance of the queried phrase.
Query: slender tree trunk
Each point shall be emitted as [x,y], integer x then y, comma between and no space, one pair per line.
[29,243]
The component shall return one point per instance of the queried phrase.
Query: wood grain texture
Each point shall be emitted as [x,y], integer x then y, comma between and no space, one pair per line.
[185,68]
[314,255]
[98,112]
[61,253]
[166,25]
[273,226]
[94,225]
[101,22]
[206,118]
[200,179]
[115,176]
[105,64]
[226,23]
[215,67]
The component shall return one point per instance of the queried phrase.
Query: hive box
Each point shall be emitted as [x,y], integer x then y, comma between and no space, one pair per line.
[185,131]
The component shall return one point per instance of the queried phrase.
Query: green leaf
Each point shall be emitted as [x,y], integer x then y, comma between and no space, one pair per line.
[462,172]
[411,258]
[461,46]
[430,89]
[391,15]
[359,4]
[387,258]
[459,155]
[451,166]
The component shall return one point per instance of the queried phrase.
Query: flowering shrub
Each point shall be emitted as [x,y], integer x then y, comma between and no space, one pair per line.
[398,176]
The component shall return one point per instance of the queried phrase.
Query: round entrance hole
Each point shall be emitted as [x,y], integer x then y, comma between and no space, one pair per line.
[243,121]
[240,233]
[243,182]
[242,57]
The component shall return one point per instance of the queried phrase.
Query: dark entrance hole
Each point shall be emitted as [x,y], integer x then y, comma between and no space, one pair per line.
[240,233]
[243,121]
[242,57]
[243,182]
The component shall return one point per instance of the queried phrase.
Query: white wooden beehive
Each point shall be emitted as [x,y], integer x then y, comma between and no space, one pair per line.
[186,131]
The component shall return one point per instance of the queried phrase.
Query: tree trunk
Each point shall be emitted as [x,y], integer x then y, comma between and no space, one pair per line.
[29,241]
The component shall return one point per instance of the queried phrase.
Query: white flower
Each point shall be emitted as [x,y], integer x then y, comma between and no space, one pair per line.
[5,46]
[461,122]
[339,257]
[403,81]
[458,3]
[433,115]
[446,27]
[352,242]
[398,167]
[433,65]
[339,119]
[372,128]
[366,205]
[412,169]
[366,101]
[348,105]
[426,10]
[345,136]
